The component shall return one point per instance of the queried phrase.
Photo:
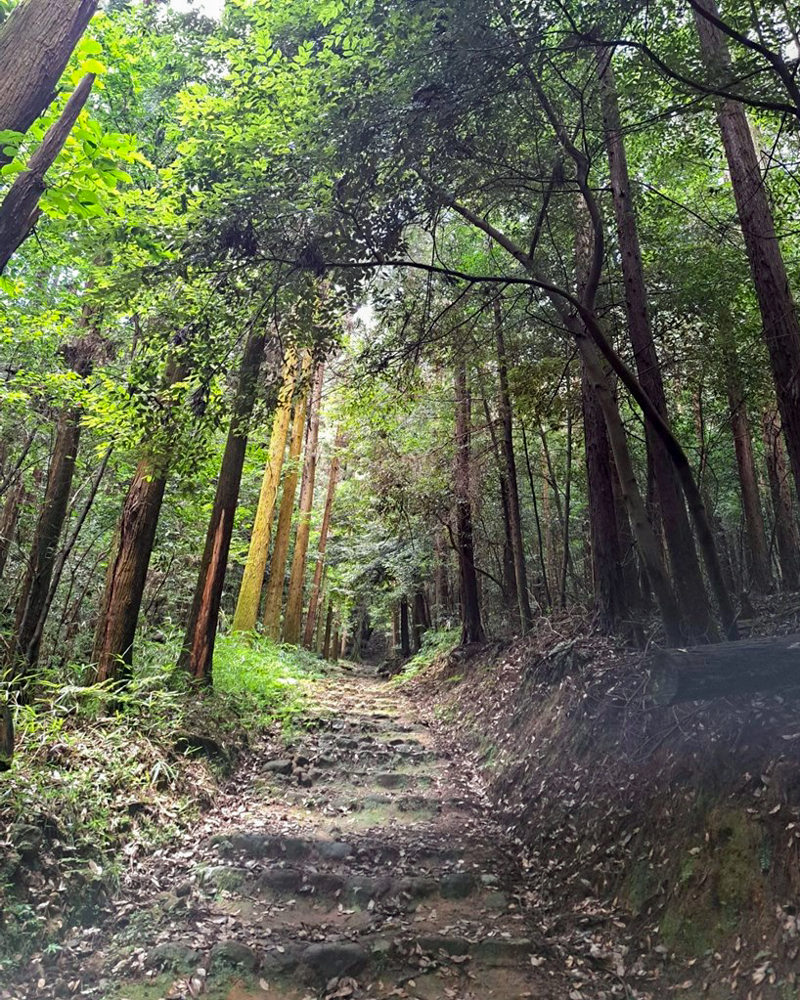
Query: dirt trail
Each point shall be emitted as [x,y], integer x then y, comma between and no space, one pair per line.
[360,862]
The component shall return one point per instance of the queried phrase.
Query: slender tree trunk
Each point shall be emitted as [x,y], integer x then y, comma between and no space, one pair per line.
[333,476]
[472,626]
[20,207]
[36,42]
[280,552]
[607,556]
[8,521]
[197,653]
[695,606]
[246,613]
[405,634]
[786,534]
[757,549]
[112,655]
[780,326]
[548,601]
[509,585]
[333,652]
[294,597]
[36,582]
[420,623]
[514,516]
[61,560]
[326,642]
[567,505]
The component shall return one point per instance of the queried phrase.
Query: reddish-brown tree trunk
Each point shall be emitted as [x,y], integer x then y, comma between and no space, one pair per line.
[8,521]
[780,325]
[405,633]
[691,591]
[472,626]
[35,45]
[22,652]
[198,646]
[786,534]
[20,207]
[112,656]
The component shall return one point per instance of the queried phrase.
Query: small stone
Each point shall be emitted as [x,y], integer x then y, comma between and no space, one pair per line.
[489,880]
[496,952]
[234,953]
[304,779]
[225,876]
[391,779]
[27,839]
[300,760]
[281,880]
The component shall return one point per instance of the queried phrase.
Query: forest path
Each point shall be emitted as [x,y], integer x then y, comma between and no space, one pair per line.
[361,862]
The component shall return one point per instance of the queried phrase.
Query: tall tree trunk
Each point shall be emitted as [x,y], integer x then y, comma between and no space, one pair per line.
[35,45]
[280,552]
[472,626]
[197,653]
[8,521]
[757,550]
[20,207]
[294,596]
[36,582]
[112,656]
[780,325]
[565,560]
[333,476]
[333,651]
[509,579]
[607,555]
[646,541]
[539,535]
[420,618]
[786,534]
[512,488]
[246,614]
[695,606]
[405,634]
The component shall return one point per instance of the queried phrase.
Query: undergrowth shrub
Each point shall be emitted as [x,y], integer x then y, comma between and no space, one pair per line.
[435,643]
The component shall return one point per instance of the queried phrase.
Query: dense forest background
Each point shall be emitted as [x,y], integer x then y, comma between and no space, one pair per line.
[472,313]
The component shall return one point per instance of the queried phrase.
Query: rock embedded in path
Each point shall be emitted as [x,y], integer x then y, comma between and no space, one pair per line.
[281,766]
[234,953]
[391,779]
[457,885]
[333,959]
[173,956]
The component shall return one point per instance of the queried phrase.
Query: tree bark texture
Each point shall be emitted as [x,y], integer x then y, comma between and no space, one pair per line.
[280,552]
[691,591]
[198,646]
[786,534]
[112,656]
[294,596]
[405,633]
[35,45]
[781,328]
[246,614]
[313,602]
[472,626]
[20,208]
[8,521]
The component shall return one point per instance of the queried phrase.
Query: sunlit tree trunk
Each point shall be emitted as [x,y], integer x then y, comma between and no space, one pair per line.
[201,630]
[313,603]
[786,534]
[280,552]
[8,521]
[294,596]
[472,626]
[780,325]
[690,588]
[36,42]
[19,210]
[246,613]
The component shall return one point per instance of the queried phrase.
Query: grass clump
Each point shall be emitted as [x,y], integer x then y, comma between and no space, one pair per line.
[435,643]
